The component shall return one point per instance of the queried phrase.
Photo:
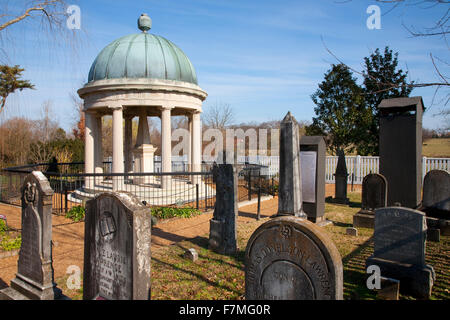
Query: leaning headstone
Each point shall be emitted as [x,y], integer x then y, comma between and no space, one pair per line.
[290,181]
[288,258]
[340,177]
[436,194]
[223,235]
[312,159]
[35,279]
[374,196]
[399,249]
[116,248]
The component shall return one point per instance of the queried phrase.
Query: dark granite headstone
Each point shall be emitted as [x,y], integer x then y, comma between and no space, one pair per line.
[399,249]
[313,154]
[436,194]
[290,181]
[289,258]
[34,278]
[374,196]
[222,237]
[117,248]
[401,149]
[340,177]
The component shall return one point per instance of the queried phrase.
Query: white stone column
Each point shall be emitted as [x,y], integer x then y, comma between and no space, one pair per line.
[189,152]
[196,146]
[166,146]
[117,161]
[89,150]
[98,157]
[128,148]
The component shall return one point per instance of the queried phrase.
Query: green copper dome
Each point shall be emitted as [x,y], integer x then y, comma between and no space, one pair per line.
[142,55]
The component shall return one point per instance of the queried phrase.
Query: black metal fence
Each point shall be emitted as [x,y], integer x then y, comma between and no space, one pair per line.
[72,187]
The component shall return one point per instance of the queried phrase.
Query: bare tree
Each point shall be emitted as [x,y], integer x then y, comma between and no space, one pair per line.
[48,17]
[218,115]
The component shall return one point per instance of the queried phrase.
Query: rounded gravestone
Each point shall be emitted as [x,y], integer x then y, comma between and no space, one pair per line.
[289,258]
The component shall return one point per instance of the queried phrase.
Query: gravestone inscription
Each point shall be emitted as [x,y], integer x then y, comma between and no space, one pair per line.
[117,248]
[399,249]
[34,279]
[289,258]
[312,159]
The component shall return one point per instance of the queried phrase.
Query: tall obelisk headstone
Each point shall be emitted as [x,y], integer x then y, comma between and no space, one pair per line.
[34,279]
[290,186]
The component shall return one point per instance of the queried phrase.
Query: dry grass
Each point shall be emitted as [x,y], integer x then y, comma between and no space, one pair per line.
[439,148]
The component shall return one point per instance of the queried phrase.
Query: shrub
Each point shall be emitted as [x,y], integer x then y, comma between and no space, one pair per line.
[76,213]
[8,244]
[3,227]
[169,212]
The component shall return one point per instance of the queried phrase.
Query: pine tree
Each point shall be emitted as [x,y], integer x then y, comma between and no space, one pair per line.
[10,82]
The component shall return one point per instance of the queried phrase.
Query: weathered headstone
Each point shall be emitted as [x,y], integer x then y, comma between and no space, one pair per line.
[117,248]
[290,181]
[436,194]
[374,196]
[289,258]
[399,249]
[34,279]
[340,177]
[223,236]
[401,149]
[312,158]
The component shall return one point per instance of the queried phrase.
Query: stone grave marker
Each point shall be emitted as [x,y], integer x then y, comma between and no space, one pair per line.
[117,248]
[340,177]
[400,149]
[312,159]
[399,249]
[222,236]
[35,279]
[289,258]
[290,181]
[374,196]
[436,194]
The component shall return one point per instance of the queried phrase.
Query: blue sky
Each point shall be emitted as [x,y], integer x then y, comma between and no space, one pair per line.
[263,58]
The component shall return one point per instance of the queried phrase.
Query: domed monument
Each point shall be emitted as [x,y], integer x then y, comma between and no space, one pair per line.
[140,75]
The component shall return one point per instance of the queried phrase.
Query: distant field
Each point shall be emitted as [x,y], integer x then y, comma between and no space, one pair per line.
[439,148]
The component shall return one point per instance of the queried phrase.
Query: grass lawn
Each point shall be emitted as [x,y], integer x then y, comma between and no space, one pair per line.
[439,148]
[216,276]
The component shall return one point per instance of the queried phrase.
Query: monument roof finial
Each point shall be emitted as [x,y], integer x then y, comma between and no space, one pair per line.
[144,22]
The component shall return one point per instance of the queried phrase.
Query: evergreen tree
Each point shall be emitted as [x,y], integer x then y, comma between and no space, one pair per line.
[340,109]
[382,80]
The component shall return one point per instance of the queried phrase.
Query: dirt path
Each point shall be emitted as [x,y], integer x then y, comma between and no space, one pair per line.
[68,237]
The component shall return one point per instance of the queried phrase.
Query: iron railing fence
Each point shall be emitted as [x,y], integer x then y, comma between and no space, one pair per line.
[184,189]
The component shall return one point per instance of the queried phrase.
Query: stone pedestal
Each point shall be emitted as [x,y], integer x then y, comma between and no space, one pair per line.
[143,161]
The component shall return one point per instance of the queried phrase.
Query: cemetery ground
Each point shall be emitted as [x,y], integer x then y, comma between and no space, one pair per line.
[215,276]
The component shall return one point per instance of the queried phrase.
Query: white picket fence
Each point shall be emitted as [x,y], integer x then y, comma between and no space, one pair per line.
[357,166]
